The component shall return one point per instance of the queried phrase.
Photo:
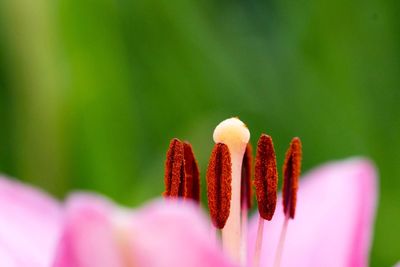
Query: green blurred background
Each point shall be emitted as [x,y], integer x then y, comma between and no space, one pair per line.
[92,91]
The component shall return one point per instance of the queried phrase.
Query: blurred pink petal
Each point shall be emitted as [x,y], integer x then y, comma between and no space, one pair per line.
[174,234]
[334,218]
[160,234]
[88,238]
[29,225]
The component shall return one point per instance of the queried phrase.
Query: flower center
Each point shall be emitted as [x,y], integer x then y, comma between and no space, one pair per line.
[229,184]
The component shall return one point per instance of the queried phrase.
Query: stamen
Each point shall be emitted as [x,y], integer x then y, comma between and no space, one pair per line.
[192,181]
[259,239]
[245,196]
[181,172]
[266,177]
[291,173]
[265,181]
[235,135]
[174,169]
[281,244]
[219,178]
[246,193]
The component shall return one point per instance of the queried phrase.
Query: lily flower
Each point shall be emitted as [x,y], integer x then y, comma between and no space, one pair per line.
[334,206]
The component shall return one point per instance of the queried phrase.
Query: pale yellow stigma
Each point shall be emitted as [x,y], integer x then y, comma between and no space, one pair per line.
[232,132]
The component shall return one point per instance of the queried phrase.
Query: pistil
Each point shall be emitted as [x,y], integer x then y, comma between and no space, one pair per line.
[235,135]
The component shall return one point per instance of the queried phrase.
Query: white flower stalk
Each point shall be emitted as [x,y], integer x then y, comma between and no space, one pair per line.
[233,133]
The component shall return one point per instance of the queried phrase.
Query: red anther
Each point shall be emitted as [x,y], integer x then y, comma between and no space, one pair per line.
[174,169]
[245,190]
[291,173]
[219,179]
[192,178]
[266,177]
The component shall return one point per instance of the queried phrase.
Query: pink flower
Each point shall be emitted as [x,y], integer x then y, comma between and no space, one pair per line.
[333,227]
[334,207]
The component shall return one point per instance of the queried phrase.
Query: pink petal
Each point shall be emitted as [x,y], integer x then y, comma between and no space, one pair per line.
[334,218]
[29,225]
[160,234]
[171,233]
[88,238]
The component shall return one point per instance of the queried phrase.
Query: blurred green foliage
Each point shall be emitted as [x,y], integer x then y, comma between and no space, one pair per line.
[92,91]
